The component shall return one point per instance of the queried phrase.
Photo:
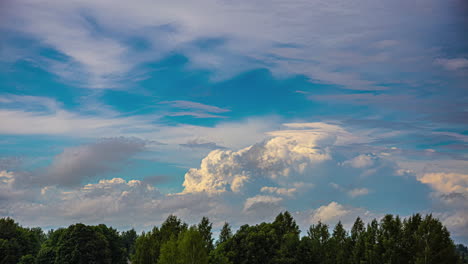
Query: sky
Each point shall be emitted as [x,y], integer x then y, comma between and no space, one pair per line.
[123,112]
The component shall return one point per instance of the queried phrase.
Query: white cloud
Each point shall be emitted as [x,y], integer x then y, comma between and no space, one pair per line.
[358,192]
[446,182]
[279,191]
[361,161]
[332,211]
[285,154]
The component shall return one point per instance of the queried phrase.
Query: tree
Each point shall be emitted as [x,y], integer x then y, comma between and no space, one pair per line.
[225,234]
[371,254]
[409,241]
[390,239]
[357,241]
[252,244]
[172,226]
[191,247]
[287,233]
[340,244]
[128,239]
[315,247]
[148,245]
[81,244]
[434,243]
[116,246]
[204,227]
[169,252]
[463,253]
[27,259]
[48,252]
[17,241]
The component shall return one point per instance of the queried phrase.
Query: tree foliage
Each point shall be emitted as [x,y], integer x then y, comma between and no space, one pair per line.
[414,240]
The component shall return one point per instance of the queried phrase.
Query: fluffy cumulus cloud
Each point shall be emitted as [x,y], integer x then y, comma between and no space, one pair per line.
[286,154]
[329,212]
[447,182]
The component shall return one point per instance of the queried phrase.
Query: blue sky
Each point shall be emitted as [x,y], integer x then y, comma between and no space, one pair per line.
[123,113]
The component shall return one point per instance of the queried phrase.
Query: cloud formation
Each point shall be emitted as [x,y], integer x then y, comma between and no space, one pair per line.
[85,162]
[287,38]
[285,154]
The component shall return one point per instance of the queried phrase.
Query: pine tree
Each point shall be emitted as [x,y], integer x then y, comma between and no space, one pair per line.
[204,227]
[340,244]
[225,233]
[358,241]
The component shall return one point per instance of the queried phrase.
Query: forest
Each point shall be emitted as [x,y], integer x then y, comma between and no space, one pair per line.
[417,239]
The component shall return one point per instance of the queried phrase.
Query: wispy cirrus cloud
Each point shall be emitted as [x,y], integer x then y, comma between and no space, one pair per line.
[103,51]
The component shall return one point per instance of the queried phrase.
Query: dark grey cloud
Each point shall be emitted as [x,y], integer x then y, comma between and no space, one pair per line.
[156,179]
[196,144]
[76,164]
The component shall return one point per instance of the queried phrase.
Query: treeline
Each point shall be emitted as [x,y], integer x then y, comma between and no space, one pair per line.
[417,239]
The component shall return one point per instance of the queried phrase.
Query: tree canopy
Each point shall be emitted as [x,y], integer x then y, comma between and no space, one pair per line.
[416,239]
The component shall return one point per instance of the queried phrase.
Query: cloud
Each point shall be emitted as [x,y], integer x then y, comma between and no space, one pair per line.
[76,164]
[101,50]
[361,161]
[446,182]
[204,145]
[353,193]
[286,153]
[329,212]
[358,192]
[189,105]
[195,109]
[263,206]
[279,191]
[453,64]
[243,186]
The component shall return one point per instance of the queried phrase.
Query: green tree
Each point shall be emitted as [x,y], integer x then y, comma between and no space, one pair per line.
[169,252]
[172,226]
[81,244]
[371,255]
[409,241]
[147,247]
[358,246]
[340,244]
[17,241]
[287,238]
[434,243]
[225,233]
[191,247]
[27,259]
[390,239]
[315,247]
[116,246]
[48,251]
[128,239]
[205,227]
